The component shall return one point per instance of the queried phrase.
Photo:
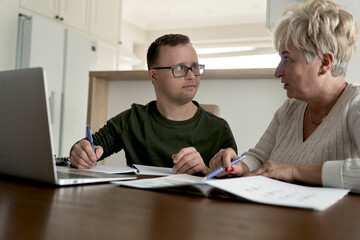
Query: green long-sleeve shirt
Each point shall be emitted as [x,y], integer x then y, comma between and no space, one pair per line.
[149,138]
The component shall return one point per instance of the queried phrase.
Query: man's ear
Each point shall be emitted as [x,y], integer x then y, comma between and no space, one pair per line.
[152,75]
[327,60]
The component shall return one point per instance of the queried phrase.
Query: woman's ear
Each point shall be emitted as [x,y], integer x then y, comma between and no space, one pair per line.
[327,60]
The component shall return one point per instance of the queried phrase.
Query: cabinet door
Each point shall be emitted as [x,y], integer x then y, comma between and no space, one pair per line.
[9,33]
[43,45]
[46,8]
[80,58]
[105,19]
[106,57]
[74,13]
[274,10]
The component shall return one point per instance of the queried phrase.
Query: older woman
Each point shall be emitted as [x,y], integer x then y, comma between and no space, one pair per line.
[314,137]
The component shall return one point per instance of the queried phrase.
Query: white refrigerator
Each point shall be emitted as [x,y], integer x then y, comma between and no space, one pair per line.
[67,56]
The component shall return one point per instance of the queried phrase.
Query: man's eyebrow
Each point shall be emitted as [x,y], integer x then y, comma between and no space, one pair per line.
[284,52]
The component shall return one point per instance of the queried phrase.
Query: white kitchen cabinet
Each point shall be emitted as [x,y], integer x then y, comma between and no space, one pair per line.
[274,10]
[45,8]
[100,19]
[67,56]
[40,44]
[105,19]
[73,13]
[8,28]
[106,57]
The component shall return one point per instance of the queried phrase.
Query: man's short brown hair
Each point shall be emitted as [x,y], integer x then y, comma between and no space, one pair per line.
[168,39]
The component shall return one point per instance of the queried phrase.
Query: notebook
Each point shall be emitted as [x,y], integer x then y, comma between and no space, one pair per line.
[134,168]
[26,147]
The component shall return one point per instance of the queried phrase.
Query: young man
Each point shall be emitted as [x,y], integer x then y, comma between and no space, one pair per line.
[172,131]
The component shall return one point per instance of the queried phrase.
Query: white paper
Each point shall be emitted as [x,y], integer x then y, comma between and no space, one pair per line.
[257,188]
[269,191]
[155,171]
[138,169]
[169,181]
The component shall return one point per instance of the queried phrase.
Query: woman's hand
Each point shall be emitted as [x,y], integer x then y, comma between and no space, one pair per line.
[223,159]
[310,174]
[276,170]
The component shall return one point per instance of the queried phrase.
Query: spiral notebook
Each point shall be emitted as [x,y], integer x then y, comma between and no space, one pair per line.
[134,168]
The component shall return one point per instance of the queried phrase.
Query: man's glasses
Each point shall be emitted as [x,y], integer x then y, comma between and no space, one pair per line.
[181,70]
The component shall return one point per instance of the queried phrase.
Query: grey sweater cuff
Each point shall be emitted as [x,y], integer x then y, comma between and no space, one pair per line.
[251,163]
[331,174]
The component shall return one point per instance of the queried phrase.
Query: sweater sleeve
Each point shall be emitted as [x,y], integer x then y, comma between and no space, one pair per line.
[346,173]
[109,136]
[255,157]
[342,174]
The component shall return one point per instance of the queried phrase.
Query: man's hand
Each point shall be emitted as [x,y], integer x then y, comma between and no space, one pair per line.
[188,160]
[83,156]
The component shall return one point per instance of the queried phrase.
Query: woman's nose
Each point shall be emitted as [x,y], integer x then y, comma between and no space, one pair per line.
[279,71]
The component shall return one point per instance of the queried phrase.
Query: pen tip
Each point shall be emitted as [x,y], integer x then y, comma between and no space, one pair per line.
[205,178]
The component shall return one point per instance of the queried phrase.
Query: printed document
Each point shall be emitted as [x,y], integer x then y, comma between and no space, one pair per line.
[255,188]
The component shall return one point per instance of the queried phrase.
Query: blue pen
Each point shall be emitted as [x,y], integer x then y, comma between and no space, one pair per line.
[89,136]
[220,169]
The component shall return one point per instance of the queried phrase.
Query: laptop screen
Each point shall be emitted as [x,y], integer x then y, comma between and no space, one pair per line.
[25,142]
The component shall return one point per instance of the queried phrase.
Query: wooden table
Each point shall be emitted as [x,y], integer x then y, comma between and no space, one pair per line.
[106,211]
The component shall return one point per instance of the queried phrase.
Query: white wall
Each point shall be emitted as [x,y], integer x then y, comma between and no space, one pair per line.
[247,104]
[9,10]
[353,73]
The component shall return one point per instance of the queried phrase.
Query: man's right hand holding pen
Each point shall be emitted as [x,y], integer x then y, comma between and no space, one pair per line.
[83,156]
[223,159]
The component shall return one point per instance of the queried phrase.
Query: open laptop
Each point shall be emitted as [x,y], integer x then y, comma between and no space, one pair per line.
[26,148]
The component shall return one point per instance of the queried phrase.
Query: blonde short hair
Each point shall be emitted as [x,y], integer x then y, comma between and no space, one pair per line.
[316,27]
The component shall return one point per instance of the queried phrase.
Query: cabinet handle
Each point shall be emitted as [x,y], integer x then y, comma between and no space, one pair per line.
[52,106]
[59,18]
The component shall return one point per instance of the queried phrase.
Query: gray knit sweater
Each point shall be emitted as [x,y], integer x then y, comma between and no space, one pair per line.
[335,143]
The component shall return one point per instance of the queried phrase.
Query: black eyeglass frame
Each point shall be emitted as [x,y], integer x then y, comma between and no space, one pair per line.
[187,69]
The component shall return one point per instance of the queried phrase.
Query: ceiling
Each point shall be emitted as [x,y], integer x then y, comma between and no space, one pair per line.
[153,15]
